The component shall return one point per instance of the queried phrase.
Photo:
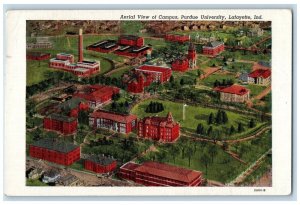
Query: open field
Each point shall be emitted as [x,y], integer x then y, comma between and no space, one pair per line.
[194,116]
[255,89]
[210,80]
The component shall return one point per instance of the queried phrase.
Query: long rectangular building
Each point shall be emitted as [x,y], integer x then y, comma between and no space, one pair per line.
[159,73]
[160,174]
[60,123]
[121,123]
[55,151]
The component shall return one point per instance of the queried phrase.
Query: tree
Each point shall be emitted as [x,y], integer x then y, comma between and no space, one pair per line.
[224,117]
[171,79]
[174,150]
[240,127]
[218,118]
[204,159]
[182,81]
[200,129]
[232,130]
[251,123]
[209,131]
[210,118]
[189,153]
[212,149]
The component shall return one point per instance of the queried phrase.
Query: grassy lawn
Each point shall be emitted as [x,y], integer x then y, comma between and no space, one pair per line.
[35,182]
[249,151]
[156,43]
[36,71]
[239,67]
[79,165]
[222,167]
[255,89]
[210,80]
[119,73]
[194,116]
[240,55]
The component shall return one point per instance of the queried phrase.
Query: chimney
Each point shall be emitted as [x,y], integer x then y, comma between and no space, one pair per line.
[80,46]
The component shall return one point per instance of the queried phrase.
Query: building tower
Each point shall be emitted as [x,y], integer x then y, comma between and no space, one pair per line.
[80,46]
[192,56]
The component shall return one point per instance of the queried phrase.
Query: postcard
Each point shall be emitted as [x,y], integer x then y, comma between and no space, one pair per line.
[148,102]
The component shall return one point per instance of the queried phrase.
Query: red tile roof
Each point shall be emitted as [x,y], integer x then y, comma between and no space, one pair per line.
[153,68]
[233,89]
[113,116]
[264,73]
[96,92]
[168,171]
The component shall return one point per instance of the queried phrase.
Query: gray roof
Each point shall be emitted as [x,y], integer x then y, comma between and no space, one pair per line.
[244,77]
[100,159]
[54,144]
[70,104]
[214,44]
[60,117]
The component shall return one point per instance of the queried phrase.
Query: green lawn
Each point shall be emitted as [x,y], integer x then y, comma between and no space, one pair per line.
[120,72]
[239,67]
[194,116]
[210,80]
[255,89]
[35,182]
[222,167]
[36,71]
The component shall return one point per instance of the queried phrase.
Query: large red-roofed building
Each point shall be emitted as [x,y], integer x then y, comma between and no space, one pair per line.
[122,123]
[96,95]
[159,73]
[54,151]
[138,82]
[163,129]
[131,40]
[160,174]
[233,93]
[260,77]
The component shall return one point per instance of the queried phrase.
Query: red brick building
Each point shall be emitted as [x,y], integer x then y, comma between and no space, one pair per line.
[54,151]
[159,73]
[131,40]
[138,82]
[213,48]
[37,56]
[60,123]
[133,51]
[160,174]
[96,95]
[163,129]
[121,123]
[72,107]
[177,38]
[100,164]
[180,65]
[233,93]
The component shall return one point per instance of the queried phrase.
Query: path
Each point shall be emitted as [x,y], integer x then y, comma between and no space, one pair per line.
[263,93]
[209,71]
[115,70]
[249,170]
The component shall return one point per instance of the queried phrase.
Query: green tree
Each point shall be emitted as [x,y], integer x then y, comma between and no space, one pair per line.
[174,151]
[211,118]
[232,130]
[200,129]
[189,153]
[224,117]
[251,123]
[204,159]
[240,127]
[212,149]
[209,130]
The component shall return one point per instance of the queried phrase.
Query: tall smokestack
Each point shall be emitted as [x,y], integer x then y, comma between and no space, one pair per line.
[80,46]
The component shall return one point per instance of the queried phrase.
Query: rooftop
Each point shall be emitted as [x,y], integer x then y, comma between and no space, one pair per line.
[101,159]
[165,170]
[264,73]
[233,89]
[153,68]
[214,44]
[96,92]
[130,37]
[70,104]
[122,118]
[60,117]
[55,144]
